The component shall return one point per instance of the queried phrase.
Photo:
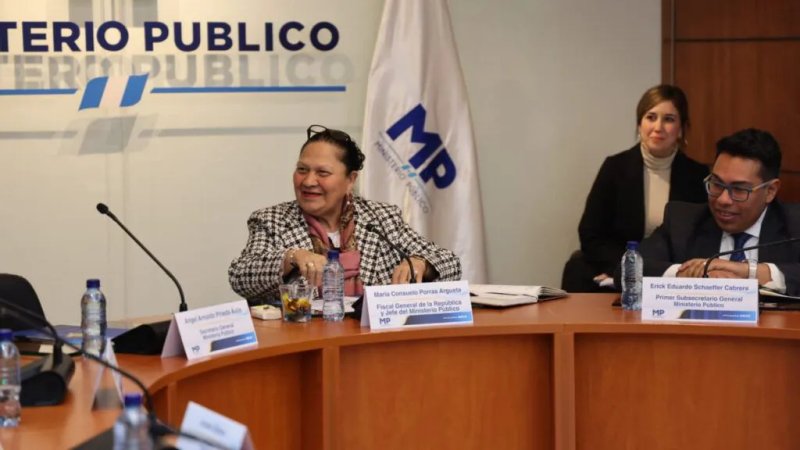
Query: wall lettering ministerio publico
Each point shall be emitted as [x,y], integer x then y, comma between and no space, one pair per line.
[114,36]
[61,57]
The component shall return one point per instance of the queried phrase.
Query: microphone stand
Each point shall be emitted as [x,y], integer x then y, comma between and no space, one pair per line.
[146,339]
[374,229]
[103,209]
[744,249]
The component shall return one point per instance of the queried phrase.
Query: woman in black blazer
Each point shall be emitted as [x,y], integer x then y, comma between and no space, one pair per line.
[627,200]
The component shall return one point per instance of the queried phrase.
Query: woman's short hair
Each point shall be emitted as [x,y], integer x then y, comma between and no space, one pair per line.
[663,93]
[352,156]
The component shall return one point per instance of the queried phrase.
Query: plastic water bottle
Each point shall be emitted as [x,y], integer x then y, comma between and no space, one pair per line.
[333,288]
[632,267]
[9,380]
[93,318]
[132,429]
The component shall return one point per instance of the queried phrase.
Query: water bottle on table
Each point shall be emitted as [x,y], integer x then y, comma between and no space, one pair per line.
[333,288]
[10,381]
[93,319]
[132,429]
[632,267]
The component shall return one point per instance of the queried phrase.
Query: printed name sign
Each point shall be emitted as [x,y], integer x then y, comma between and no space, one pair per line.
[213,329]
[416,305]
[212,427]
[700,299]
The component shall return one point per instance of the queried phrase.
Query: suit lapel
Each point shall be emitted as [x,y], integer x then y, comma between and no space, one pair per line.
[676,185]
[773,229]
[635,197]
[708,238]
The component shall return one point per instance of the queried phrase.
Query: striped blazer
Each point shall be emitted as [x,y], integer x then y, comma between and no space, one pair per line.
[257,272]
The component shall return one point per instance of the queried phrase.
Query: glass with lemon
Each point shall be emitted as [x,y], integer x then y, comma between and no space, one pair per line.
[296,302]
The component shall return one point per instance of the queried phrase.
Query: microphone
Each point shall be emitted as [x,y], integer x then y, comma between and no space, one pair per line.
[752,247]
[103,209]
[374,229]
[157,428]
[44,381]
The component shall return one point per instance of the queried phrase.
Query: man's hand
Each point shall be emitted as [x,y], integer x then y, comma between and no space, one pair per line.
[692,268]
[722,268]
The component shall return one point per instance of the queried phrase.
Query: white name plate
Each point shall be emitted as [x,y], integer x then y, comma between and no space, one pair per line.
[700,299]
[416,305]
[210,330]
[215,428]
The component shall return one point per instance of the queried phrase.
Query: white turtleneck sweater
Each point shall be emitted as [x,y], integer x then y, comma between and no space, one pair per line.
[656,188]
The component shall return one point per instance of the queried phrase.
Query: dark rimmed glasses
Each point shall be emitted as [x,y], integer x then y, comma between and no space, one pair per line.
[737,193]
[338,135]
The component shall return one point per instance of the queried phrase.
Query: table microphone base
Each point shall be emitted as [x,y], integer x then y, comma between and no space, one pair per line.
[146,339]
[45,383]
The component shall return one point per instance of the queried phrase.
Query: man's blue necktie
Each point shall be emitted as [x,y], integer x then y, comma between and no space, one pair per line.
[739,240]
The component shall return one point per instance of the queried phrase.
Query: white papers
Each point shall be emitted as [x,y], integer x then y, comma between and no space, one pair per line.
[499,295]
[316,305]
[767,292]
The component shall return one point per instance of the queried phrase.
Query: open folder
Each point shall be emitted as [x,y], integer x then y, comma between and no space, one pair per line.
[501,296]
[772,300]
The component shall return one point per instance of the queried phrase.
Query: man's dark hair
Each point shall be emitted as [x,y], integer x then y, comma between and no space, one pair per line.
[754,144]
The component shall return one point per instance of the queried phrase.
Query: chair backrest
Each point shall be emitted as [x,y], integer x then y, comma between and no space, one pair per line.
[18,290]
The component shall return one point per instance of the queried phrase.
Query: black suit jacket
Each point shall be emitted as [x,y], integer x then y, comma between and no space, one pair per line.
[614,212]
[689,231]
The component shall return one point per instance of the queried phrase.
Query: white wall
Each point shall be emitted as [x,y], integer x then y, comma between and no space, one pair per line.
[552,86]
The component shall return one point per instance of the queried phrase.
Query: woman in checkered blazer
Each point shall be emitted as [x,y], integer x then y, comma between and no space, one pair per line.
[292,238]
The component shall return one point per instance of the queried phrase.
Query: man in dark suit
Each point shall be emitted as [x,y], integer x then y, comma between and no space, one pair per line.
[742,211]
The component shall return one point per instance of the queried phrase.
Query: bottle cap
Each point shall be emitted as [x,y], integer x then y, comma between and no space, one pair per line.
[6,334]
[632,245]
[333,254]
[93,283]
[133,400]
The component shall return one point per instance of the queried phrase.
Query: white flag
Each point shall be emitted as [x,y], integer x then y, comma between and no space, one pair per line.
[418,132]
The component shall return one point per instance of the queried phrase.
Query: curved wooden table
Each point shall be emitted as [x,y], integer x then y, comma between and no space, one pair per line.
[565,374]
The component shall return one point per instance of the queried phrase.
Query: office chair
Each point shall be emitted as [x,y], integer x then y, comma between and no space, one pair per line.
[17,289]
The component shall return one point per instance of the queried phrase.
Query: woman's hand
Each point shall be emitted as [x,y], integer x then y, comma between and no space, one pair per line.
[308,263]
[402,274]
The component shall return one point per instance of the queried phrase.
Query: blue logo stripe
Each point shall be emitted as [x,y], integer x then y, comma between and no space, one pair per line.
[700,314]
[230,89]
[37,91]
[93,93]
[133,90]
[440,318]
[233,341]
